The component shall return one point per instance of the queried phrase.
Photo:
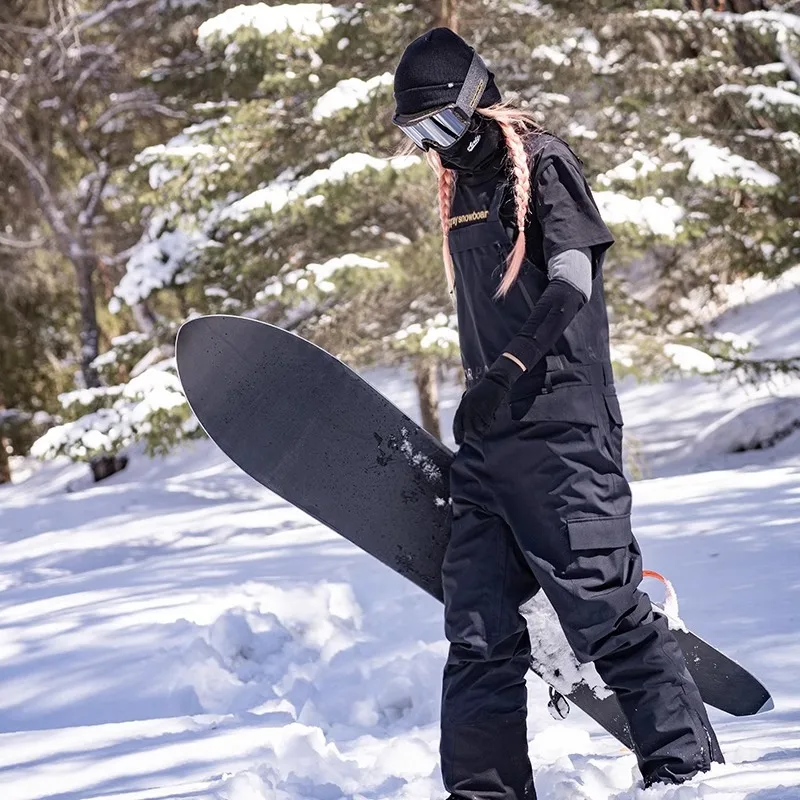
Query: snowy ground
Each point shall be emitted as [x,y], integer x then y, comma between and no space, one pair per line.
[180,632]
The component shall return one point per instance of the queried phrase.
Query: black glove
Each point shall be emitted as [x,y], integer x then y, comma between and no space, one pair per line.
[480,403]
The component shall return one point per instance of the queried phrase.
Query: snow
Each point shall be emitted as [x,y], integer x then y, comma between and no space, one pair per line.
[194,636]
[428,468]
[790,140]
[283,190]
[761,97]
[776,67]
[637,166]
[760,424]
[576,129]
[673,15]
[709,161]
[104,359]
[588,44]
[552,652]
[274,197]
[756,310]
[438,337]
[158,258]
[439,333]
[671,440]
[273,289]
[170,150]
[322,272]
[776,22]
[659,216]
[129,339]
[532,7]
[178,631]
[690,359]
[351,164]
[552,98]
[125,414]
[305,20]
[550,53]
[317,274]
[183,148]
[349,93]
[120,345]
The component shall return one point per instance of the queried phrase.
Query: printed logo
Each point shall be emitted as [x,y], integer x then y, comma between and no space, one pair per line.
[473,216]
[471,146]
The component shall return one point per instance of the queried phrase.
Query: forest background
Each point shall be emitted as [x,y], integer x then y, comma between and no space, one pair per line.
[166,158]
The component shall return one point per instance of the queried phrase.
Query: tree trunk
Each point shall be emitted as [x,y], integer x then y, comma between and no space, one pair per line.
[426,380]
[5,467]
[105,466]
[73,243]
[85,263]
[744,6]
[448,14]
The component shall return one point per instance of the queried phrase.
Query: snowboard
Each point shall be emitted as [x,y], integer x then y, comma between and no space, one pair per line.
[306,426]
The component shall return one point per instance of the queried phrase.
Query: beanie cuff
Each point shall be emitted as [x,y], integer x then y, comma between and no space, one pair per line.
[424,98]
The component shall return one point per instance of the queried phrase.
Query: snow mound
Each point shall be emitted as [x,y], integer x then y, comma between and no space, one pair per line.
[760,425]
[555,660]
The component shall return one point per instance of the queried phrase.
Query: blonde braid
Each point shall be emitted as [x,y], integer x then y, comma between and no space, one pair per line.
[522,193]
[446,186]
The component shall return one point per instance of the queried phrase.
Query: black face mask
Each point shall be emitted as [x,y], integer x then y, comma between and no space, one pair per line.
[478,148]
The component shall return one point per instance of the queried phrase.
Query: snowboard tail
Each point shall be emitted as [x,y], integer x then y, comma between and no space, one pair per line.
[307,427]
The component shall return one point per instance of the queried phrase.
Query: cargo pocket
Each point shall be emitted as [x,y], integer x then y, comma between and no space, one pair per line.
[612,406]
[570,403]
[600,533]
[612,430]
[601,579]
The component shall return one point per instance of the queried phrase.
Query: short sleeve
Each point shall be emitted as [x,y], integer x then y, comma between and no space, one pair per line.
[566,210]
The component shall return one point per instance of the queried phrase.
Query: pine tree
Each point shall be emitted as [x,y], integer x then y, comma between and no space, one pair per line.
[687,123]
[282,200]
[74,109]
[650,98]
[287,204]
[77,102]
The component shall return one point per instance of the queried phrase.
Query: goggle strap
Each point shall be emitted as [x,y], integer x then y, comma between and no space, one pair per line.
[474,85]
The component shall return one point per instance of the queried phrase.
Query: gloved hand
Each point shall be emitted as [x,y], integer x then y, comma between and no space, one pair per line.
[480,403]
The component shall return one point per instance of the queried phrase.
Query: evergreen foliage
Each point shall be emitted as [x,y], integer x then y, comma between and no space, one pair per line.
[271,188]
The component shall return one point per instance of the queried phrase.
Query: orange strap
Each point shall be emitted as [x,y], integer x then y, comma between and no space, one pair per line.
[670,595]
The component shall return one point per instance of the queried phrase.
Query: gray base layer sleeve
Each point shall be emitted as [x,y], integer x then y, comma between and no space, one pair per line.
[575,267]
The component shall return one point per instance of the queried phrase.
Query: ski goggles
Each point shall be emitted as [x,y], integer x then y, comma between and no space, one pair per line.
[441,128]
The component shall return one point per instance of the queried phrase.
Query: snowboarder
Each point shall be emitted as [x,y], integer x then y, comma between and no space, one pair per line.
[539,497]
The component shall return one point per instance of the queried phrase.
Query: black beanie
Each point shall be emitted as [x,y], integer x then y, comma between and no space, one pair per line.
[431,71]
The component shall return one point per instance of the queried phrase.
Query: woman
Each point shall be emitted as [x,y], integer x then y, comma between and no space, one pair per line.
[539,496]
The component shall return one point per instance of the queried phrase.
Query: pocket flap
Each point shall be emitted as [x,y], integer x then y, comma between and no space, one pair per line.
[614,411]
[600,533]
[570,404]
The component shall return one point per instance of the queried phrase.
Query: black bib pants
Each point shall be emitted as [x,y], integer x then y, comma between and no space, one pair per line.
[541,502]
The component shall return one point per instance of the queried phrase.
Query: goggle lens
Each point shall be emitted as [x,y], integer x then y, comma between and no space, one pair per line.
[442,129]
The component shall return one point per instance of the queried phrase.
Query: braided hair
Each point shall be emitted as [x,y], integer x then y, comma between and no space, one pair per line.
[514,123]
